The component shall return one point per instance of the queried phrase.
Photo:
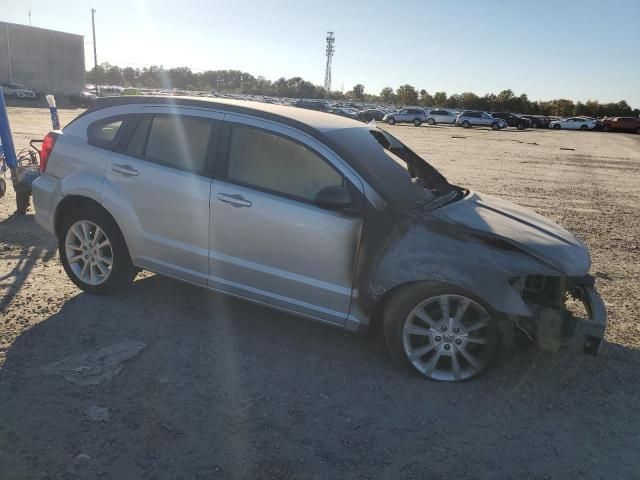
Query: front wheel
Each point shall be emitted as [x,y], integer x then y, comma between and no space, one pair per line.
[584,128]
[391,121]
[606,128]
[556,127]
[93,251]
[495,126]
[520,126]
[441,332]
[417,122]
[431,121]
[466,124]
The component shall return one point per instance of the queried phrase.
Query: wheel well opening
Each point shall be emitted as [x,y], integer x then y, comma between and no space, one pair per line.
[68,205]
[376,323]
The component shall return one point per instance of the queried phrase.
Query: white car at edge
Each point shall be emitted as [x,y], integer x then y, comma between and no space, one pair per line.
[16,90]
[574,123]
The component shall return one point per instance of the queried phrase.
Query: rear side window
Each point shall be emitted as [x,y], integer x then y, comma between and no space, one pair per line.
[175,141]
[271,162]
[104,132]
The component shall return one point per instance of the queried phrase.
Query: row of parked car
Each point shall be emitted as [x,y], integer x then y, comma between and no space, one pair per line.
[500,120]
[390,115]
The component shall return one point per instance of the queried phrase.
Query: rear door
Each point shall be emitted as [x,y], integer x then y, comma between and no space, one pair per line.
[269,241]
[161,175]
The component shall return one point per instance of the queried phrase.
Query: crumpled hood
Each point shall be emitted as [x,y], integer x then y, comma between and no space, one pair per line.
[532,233]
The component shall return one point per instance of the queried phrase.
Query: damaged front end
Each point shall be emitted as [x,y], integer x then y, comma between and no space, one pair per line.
[566,312]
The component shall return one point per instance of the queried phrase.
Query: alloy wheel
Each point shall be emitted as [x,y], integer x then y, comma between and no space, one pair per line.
[89,252]
[448,337]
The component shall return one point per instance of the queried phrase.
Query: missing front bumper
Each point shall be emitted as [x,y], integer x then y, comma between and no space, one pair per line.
[559,328]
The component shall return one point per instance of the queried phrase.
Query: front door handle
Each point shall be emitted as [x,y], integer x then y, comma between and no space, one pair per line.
[235,200]
[126,170]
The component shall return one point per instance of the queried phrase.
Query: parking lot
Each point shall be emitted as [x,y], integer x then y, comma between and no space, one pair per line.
[226,389]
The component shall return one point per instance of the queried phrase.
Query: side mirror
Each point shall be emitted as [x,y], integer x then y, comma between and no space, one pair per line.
[334,197]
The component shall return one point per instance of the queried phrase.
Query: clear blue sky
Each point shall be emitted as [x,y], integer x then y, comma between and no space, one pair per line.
[577,49]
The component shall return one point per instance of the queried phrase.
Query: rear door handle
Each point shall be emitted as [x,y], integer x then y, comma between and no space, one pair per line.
[235,199]
[126,170]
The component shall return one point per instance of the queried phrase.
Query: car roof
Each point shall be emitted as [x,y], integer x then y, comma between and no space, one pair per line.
[316,120]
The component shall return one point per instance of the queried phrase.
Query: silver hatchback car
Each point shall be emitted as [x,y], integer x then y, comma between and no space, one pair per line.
[315,214]
[407,115]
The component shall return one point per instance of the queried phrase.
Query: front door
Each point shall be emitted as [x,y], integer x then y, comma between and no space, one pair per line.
[269,241]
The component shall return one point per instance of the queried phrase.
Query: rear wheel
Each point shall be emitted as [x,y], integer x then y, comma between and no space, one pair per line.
[606,128]
[391,121]
[520,126]
[441,332]
[417,122]
[556,127]
[93,251]
[495,126]
[431,121]
[584,128]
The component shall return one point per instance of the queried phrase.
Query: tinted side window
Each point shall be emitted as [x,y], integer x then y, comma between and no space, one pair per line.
[274,163]
[178,141]
[103,133]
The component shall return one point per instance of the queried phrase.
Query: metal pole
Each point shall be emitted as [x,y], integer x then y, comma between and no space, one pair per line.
[95,51]
[6,139]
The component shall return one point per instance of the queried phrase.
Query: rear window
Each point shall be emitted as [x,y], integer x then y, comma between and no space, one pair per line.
[104,133]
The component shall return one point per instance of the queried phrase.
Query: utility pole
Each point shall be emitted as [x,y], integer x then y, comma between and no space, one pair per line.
[29,17]
[95,52]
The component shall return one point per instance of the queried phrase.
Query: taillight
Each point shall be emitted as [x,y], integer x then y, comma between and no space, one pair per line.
[47,146]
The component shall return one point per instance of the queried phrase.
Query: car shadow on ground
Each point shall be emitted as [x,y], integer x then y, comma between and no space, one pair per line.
[16,244]
[229,389]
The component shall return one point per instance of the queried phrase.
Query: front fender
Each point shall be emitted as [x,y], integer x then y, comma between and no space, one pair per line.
[423,254]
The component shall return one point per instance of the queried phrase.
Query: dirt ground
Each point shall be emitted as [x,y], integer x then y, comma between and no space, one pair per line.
[226,389]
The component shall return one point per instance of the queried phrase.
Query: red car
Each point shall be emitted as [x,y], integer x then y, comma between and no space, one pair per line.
[629,124]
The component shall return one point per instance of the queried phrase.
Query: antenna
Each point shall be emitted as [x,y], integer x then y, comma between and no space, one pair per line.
[327,72]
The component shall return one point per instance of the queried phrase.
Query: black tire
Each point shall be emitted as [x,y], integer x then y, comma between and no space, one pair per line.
[122,271]
[431,121]
[606,128]
[556,127]
[534,125]
[499,334]
[584,128]
[417,122]
[495,126]
[22,202]
[466,124]
[391,121]
[3,187]
[520,126]
[638,131]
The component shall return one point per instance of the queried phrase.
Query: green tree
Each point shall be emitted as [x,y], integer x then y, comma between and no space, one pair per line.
[358,91]
[407,95]
[440,99]
[386,95]
[426,100]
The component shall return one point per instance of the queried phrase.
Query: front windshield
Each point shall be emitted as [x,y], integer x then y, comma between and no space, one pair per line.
[426,175]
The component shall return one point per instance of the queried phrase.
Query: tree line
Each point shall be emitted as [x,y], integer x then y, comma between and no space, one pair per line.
[236,81]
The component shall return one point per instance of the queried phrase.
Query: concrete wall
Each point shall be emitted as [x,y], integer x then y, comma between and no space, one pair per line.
[43,60]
